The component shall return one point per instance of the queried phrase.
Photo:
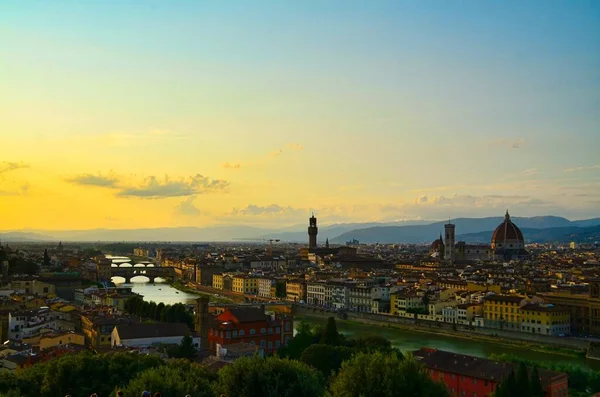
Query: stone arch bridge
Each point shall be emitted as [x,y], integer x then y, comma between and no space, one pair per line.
[149,272]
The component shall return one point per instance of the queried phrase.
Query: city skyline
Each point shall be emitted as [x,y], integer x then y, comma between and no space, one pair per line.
[122,115]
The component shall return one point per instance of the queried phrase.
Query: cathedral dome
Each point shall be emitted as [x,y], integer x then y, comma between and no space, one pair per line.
[437,245]
[507,235]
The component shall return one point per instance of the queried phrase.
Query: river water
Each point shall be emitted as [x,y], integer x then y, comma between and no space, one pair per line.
[404,340]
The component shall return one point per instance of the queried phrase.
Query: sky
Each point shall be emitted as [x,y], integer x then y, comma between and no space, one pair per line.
[128,114]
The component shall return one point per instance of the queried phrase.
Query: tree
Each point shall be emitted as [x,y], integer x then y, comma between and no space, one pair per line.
[270,377]
[507,387]
[301,341]
[384,375]
[330,334]
[174,380]
[522,386]
[325,358]
[372,343]
[280,290]
[47,261]
[185,349]
[535,385]
[78,374]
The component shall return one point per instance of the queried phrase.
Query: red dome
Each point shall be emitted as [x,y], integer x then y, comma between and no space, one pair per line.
[437,245]
[507,231]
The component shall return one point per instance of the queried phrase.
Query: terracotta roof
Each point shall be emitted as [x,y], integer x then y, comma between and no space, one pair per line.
[156,330]
[507,231]
[474,367]
[248,314]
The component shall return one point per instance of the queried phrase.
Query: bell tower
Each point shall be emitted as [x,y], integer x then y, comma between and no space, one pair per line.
[449,248]
[312,232]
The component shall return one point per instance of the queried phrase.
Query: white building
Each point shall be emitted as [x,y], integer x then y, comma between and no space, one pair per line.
[145,335]
[264,287]
[359,298]
[267,262]
[450,314]
[315,293]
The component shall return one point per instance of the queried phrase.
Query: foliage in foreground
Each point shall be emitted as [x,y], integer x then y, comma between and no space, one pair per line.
[581,380]
[385,375]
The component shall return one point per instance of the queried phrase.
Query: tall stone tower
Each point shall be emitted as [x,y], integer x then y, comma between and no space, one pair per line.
[202,319]
[449,243]
[312,232]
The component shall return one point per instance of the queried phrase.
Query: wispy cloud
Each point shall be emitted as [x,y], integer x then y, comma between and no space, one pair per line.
[187,207]
[583,168]
[511,143]
[99,180]
[154,188]
[288,147]
[233,166]
[6,166]
[22,190]
[257,210]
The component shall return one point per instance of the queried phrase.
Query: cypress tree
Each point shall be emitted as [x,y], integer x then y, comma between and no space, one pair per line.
[535,384]
[330,335]
[522,382]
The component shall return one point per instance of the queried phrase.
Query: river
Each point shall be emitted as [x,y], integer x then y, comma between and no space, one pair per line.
[402,339]
[406,340]
[159,291]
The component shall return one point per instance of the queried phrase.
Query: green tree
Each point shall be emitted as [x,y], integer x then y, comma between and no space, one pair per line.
[185,349]
[270,377]
[301,341]
[47,261]
[280,290]
[507,387]
[522,386]
[535,385]
[326,359]
[384,375]
[330,334]
[78,374]
[372,343]
[177,379]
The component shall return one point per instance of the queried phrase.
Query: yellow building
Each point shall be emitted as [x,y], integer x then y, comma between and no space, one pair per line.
[65,338]
[584,308]
[295,290]
[502,311]
[98,330]
[33,287]
[243,284]
[217,281]
[545,319]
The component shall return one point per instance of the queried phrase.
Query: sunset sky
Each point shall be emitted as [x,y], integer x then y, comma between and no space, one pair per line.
[132,114]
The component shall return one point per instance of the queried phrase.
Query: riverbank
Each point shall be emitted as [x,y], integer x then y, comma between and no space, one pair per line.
[432,329]
[178,285]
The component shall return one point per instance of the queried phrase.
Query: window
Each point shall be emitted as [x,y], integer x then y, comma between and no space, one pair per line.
[270,345]
[252,331]
[228,334]
[263,330]
[263,344]
[287,326]
[242,333]
[270,330]
[235,334]
[277,344]
[278,330]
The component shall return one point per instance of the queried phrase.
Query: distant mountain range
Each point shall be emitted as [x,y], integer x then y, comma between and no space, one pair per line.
[464,227]
[553,234]
[541,228]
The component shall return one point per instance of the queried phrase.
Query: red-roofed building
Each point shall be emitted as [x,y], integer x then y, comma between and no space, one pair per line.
[479,377]
[250,325]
